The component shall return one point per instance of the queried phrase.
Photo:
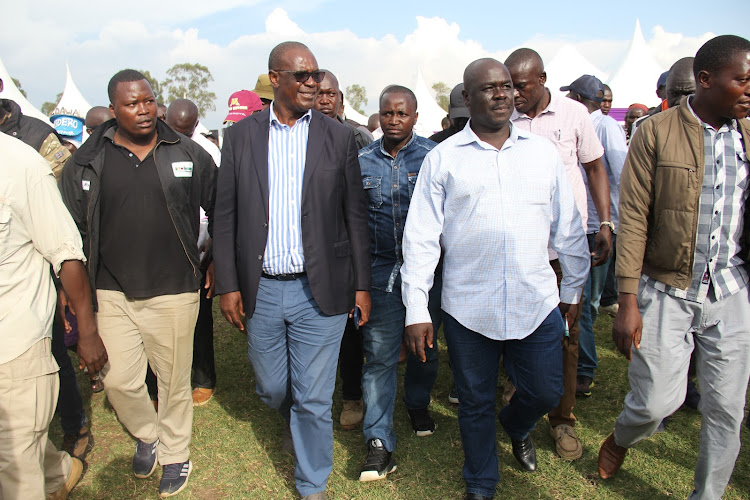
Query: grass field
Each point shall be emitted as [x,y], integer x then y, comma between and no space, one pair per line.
[236,448]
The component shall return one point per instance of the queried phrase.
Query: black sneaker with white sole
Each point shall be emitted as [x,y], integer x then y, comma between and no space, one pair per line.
[174,478]
[379,462]
[421,422]
[144,459]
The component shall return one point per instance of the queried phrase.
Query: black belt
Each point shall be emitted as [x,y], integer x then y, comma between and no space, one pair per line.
[283,277]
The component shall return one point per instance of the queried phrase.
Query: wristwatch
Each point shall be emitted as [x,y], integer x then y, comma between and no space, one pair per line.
[608,224]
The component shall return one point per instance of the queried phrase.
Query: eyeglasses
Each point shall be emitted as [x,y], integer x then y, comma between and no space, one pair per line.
[303,76]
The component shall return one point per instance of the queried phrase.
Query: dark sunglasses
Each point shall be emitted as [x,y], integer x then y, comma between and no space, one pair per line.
[303,76]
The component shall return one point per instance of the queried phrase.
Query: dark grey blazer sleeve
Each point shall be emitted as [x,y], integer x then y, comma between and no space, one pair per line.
[225,222]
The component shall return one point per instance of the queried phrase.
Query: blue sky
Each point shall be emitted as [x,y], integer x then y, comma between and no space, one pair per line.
[496,28]
[370,43]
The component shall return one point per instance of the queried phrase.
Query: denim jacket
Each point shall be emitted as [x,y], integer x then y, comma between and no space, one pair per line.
[389,183]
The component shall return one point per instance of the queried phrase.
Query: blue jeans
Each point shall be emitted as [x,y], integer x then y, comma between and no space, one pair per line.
[382,342]
[419,378]
[592,294]
[294,350]
[534,365]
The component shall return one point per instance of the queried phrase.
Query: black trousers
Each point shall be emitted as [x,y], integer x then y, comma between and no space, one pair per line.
[351,359]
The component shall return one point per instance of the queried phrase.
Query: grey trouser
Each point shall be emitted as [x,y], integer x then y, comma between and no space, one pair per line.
[719,331]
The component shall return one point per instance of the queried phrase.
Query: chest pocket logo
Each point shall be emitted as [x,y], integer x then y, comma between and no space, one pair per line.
[86,185]
[182,168]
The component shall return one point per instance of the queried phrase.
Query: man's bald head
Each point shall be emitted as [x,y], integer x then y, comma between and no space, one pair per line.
[680,81]
[529,79]
[182,116]
[96,116]
[525,60]
[488,93]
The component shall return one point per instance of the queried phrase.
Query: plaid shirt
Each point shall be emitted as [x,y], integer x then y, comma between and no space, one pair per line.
[724,192]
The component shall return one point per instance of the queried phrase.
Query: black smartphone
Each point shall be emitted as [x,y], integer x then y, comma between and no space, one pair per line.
[356,317]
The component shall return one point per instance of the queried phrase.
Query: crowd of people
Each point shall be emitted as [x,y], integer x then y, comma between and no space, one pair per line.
[343,248]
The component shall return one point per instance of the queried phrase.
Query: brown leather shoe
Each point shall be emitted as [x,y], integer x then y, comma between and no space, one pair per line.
[202,396]
[78,445]
[611,457]
[77,469]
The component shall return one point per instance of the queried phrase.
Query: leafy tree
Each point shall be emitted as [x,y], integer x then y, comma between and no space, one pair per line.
[49,107]
[155,86]
[442,95]
[190,81]
[18,86]
[357,97]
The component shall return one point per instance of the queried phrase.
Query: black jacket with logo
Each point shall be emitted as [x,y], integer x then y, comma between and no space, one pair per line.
[80,188]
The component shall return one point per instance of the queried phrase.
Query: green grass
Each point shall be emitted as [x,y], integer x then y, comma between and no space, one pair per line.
[236,447]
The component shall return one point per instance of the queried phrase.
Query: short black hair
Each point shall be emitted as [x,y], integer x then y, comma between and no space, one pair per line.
[124,76]
[277,53]
[398,89]
[718,53]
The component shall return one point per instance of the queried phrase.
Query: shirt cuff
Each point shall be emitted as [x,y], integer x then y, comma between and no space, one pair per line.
[628,285]
[417,314]
[570,295]
[69,251]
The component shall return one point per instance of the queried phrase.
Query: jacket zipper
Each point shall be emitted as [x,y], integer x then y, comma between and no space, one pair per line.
[184,248]
[90,222]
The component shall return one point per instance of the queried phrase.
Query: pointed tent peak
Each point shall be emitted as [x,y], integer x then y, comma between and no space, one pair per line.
[637,74]
[72,102]
[569,64]
[430,113]
[11,92]
[638,38]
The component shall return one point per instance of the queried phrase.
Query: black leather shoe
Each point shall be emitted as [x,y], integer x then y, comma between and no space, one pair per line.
[525,453]
[476,496]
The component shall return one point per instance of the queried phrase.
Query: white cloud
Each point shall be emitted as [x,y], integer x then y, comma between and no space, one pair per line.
[100,38]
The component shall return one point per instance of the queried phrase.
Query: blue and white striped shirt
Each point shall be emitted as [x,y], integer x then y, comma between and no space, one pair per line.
[287,151]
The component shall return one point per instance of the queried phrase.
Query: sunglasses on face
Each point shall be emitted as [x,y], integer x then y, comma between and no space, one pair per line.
[303,76]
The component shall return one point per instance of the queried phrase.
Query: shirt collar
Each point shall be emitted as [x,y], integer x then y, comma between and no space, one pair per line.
[306,116]
[411,141]
[729,126]
[551,107]
[467,136]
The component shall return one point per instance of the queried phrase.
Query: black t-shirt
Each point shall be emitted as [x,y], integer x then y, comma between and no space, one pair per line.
[140,252]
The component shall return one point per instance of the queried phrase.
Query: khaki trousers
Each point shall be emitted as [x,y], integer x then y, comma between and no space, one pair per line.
[156,331]
[30,465]
[563,414]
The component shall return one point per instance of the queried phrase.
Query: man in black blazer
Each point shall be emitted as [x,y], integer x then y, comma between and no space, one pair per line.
[291,253]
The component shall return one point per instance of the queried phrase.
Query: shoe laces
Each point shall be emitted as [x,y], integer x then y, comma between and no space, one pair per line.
[376,452]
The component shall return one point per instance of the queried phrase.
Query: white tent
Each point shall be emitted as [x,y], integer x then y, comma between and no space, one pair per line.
[10,91]
[567,65]
[353,114]
[635,79]
[430,113]
[72,102]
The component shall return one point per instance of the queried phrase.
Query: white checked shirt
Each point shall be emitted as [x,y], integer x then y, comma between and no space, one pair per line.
[493,213]
[287,152]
